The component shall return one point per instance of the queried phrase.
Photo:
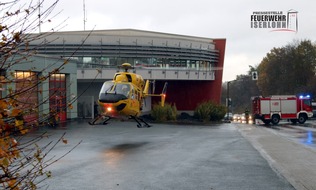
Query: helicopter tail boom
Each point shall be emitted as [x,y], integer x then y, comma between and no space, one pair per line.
[162,95]
[146,89]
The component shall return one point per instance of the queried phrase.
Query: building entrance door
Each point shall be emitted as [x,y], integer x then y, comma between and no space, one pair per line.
[57,96]
[27,88]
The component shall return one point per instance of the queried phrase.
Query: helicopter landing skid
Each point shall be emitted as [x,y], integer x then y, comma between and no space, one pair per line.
[140,122]
[100,120]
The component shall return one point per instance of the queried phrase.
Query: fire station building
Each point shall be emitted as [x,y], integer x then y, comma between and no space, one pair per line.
[35,90]
[192,66]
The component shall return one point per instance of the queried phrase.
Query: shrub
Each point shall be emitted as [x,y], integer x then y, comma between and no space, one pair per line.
[209,111]
[165,113]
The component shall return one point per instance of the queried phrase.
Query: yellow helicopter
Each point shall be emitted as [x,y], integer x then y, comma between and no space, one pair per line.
[123,97]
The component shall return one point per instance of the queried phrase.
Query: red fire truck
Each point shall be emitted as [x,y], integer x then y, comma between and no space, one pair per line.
[274,108]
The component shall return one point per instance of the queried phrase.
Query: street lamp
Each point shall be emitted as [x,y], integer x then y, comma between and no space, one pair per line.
[227,98]
[254,76]
[228,102]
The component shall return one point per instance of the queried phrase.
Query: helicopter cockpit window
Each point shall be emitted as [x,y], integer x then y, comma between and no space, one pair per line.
[123,89]
[107,86]
[133,94]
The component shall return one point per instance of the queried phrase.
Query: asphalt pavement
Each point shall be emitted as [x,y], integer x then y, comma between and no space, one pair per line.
[121,156]
[289,149]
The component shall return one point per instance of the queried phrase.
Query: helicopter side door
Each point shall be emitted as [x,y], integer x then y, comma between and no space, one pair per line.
[134,101]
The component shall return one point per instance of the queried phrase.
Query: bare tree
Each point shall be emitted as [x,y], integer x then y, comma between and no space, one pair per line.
[23,163]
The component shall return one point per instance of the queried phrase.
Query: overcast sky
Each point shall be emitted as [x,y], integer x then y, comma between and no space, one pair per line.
[228,19]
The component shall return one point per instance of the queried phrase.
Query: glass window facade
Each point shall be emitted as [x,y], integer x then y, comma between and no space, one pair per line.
[103,49]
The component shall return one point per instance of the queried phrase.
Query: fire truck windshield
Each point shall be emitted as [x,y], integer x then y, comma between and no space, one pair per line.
[307,102]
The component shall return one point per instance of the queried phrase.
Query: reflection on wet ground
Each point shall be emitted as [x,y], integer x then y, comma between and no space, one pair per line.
[304,133]
[116,153]
[126,146]
[309,139]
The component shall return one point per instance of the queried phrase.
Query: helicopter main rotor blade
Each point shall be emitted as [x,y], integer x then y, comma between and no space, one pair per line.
[164,90]
[154,87]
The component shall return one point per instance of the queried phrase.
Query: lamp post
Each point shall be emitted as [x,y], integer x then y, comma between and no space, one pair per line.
[227,100]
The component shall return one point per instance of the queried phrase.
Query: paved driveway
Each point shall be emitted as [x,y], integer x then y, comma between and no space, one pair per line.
[122,156]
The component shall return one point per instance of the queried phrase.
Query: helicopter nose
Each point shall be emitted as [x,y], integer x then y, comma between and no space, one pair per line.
[120,107]
[109,109]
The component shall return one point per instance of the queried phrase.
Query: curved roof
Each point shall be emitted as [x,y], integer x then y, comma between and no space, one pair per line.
[127,43]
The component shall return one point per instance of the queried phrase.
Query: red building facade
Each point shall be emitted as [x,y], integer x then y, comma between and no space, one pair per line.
[187,94]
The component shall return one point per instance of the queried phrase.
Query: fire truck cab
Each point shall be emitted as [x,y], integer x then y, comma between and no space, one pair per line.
[274,108]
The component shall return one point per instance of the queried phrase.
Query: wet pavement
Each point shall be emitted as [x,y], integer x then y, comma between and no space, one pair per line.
[290,150]
[122,156]
[304,134]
